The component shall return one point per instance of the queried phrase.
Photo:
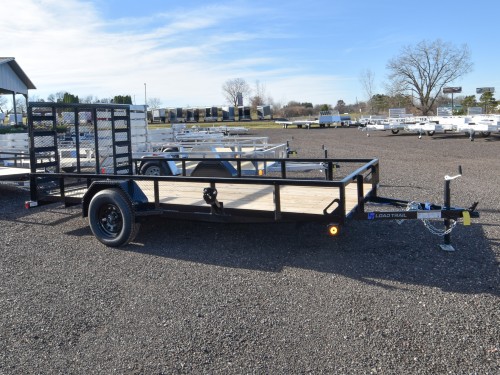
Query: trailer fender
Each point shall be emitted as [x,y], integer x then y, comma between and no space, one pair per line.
[129,188]
[211,168]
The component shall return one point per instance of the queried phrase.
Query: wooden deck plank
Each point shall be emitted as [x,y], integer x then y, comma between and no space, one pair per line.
[300,199]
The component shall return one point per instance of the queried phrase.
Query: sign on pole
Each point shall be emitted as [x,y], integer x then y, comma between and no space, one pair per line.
[481,90]
[452,90]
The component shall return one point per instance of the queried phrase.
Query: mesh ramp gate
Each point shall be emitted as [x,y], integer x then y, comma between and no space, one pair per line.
[71,139]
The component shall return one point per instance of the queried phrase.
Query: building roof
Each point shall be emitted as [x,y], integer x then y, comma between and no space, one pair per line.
[13,78]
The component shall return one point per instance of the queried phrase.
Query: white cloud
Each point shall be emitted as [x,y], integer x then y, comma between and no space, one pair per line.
[67,46]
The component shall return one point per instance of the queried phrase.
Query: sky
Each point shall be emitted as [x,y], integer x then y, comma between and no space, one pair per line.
[182,52]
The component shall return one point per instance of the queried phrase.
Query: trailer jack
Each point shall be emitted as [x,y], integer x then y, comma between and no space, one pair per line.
[426,212]
[466,214]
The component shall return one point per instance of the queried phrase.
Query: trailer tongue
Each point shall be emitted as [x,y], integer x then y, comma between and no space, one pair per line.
[236,189]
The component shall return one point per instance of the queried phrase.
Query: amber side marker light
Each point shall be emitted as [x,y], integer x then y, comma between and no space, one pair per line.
[333,230]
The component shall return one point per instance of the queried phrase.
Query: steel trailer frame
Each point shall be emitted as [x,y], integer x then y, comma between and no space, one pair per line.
[116,202]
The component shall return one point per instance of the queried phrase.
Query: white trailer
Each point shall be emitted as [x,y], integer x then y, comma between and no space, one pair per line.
[12,119]
[159,115]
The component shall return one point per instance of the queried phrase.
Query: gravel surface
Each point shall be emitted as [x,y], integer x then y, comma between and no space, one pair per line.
[278,299]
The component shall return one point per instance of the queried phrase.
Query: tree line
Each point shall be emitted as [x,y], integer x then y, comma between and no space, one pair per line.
[60,97]
[416,79]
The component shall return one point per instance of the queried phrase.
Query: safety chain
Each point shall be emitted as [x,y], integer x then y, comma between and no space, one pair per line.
[414,206]
[437,231]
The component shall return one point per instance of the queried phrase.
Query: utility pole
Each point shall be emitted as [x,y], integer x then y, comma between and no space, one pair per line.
[145,95]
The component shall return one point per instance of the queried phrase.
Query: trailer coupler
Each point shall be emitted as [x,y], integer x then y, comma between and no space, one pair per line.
[210,197]
[426,212]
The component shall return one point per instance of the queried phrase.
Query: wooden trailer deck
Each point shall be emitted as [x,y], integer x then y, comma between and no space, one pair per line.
[297,199]
[14,173]
[311,200]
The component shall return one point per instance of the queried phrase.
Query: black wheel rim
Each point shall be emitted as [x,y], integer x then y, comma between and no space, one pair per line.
[110,220]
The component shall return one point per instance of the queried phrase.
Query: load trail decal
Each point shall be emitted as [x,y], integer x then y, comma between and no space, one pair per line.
[404,215]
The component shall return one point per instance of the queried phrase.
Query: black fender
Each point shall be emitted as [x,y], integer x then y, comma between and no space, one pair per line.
[212,168]
[129,188]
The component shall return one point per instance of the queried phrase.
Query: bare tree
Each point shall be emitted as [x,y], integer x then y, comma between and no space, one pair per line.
[60,96]
[426,68]
[154,103]
[232,87]
[367,80]
[3,104]
[259,98]
[35,98]
[57,97]
[340,106]
[20,104]
[88,99]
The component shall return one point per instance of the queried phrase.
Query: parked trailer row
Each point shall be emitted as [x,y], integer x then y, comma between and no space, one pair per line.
[325,119]
[116,202]
[470,126]
[207,114]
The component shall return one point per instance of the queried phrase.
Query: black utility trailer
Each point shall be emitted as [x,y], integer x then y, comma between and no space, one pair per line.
[102,176]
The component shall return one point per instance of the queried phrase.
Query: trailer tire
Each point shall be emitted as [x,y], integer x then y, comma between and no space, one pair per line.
[485,134]
[430,133]
[395,131]
[111,218]
[154,168]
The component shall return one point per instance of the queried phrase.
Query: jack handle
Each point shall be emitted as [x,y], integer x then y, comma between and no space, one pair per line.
[449,178]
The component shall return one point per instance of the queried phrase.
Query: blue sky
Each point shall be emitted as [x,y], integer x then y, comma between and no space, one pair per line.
[184,51]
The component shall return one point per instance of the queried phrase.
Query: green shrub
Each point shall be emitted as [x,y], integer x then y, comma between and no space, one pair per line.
[13,129]
[24,129]
[61,128]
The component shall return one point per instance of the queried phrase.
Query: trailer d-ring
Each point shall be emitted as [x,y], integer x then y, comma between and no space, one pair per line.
[325,211]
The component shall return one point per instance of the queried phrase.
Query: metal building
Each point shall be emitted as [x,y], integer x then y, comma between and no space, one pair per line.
[13,80]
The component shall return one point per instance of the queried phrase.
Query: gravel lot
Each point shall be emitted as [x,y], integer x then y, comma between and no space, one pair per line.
[278,299]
